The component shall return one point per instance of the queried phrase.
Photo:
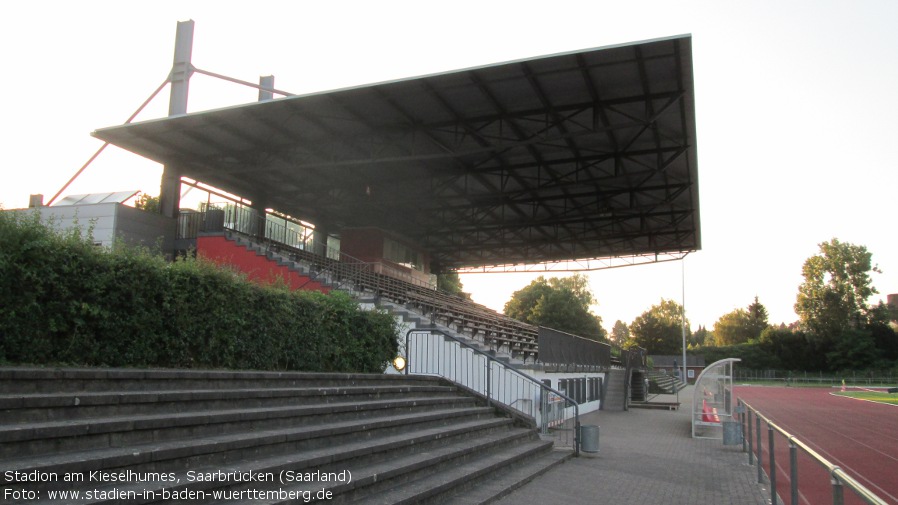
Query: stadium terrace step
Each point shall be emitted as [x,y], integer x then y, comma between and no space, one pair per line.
[662,383]
[134,433]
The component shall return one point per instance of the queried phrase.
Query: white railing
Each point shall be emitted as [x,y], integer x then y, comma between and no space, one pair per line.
[434,352]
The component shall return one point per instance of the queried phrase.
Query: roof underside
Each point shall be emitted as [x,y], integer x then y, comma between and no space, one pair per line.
[583,155]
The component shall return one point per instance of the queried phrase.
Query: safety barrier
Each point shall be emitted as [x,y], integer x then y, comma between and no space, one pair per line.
[433,352]
[753,445]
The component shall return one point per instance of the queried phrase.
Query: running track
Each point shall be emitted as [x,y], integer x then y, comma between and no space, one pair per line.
[860,437]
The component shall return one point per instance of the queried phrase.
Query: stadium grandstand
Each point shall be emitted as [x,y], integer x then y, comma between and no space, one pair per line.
[576,161]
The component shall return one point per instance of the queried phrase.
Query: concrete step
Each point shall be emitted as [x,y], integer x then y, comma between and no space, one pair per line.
[508,480]
[45,407]
[663,383]
[403,439]
[421,475]
[42,380]
[54,437]
[287,454]
[455,477]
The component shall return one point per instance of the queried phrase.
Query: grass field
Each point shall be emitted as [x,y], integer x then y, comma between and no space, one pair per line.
[873,396]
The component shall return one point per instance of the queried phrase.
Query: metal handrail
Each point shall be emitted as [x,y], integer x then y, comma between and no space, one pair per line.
[522,375]
[838,476]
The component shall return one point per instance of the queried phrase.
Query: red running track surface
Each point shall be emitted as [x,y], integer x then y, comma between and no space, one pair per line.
[858,436]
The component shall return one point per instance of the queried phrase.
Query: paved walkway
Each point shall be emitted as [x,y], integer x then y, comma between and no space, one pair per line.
[649,457]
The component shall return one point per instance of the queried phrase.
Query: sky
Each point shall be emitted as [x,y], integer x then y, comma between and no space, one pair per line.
[795,111]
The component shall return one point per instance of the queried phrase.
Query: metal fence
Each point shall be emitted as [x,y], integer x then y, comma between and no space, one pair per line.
[799,455]
[800,378]
[246,221]
[572,353]
[433,352]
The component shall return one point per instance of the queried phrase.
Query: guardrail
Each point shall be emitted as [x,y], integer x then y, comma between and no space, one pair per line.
[434,352]
[838,478]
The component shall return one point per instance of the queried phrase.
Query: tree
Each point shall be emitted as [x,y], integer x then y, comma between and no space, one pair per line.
[732,328]
[757,319]
[659,329]
[561,303]
[852,349]
[700,338]
[147,203]
[450,283]
[790,349]
[833,297]
[741,325]
[620,333]
[883,335]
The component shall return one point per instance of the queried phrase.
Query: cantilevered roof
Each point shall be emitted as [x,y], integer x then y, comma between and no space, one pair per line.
[588,154]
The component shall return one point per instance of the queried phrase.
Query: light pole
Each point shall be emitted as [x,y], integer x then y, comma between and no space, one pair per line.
[683,315]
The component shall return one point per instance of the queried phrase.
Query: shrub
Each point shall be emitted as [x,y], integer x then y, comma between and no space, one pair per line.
[64,301]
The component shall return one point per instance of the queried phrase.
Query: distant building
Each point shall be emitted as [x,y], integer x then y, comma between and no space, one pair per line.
[107,218]
[673,363]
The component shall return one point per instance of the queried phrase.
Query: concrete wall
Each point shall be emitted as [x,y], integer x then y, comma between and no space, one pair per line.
[108,221]
[367,244]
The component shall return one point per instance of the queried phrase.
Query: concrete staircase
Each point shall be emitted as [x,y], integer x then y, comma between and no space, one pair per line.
[134,436]
[615,390]
[662,383]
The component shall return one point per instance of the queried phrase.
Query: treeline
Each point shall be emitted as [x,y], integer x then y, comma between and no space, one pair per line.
[838,329]
[64,301]
[871,348]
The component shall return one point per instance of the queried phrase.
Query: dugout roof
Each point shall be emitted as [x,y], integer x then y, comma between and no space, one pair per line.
[588,154]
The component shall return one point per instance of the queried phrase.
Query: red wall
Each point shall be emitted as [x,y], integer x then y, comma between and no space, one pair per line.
[366,244]
[257,268]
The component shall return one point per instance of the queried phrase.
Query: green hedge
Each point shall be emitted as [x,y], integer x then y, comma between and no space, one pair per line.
[65,301]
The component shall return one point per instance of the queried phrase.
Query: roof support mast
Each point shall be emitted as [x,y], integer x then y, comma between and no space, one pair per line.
[182,69]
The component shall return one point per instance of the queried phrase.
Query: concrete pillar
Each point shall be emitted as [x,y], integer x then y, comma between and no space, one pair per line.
[181,69]
[267,82]
[319,239]
[170,190]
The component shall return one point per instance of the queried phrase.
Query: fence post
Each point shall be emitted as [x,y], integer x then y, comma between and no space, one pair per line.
[838,494]
[751,441]
[489,394]
[770,447]
[793,471]
[742,420]
[760,466]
